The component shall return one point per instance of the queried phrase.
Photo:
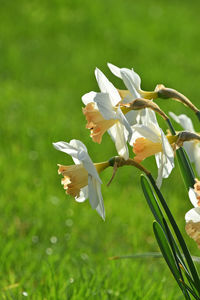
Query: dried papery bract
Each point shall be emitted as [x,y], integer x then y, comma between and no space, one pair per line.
[118,161]
[141,103]
[166,93]
[186,136]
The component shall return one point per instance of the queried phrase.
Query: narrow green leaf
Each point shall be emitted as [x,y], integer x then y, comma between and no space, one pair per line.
[167,254]
[151,200]
[157,212]
[191,291]
[178,257]
[178,234]
[185,168]
[183,161]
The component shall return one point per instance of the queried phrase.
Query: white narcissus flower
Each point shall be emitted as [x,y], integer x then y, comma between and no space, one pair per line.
[192,147]
[132,81]
[82,180]
[192,217]
[103,114]
[152,141]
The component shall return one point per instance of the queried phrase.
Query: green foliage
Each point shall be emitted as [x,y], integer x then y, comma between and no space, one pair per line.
[166,241]
[49,50]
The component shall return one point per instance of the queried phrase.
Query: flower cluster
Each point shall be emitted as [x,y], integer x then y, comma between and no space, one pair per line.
[129,117]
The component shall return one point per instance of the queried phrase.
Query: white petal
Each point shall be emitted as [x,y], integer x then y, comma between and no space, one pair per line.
[89,166]
[78,145]
[107,87]
[120,141]
[184,121]
[147,132]
[148,116]
[164,164]
[88,98]
[131,117]
[167,149]
[159,163]
[193,215]
[66,148]
[190,148]
[165,159]
[197,158]
[81,150]
[193,198]
[105,106]
[92,192]
[100,207]
[83,194]
[124,121]
[131,82]
[115,70]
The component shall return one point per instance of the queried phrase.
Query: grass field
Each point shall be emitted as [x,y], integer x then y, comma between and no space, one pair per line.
[52,247]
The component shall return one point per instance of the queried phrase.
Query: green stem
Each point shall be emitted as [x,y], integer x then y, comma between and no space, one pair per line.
[184,163]
[198,115]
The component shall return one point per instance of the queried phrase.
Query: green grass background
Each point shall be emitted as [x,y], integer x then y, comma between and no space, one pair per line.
[48,53]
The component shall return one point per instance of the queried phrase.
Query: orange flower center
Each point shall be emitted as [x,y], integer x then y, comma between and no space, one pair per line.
[75,177]
[96,123]
[197,190]
[144,148]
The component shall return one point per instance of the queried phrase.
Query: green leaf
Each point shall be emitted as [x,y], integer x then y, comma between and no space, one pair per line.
[185,168]
[151,199]
[157,212]
[168,256]
[178,234]
[183,161]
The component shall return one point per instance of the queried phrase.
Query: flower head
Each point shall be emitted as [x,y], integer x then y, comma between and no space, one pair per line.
[133,83]
[96,122]
[152,141]
[82,180]
[103,113]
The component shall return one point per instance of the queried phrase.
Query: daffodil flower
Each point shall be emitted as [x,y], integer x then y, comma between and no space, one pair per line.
[192,147]
[133,83]
[192,217]
[82,180]
[103,113]
[152,141]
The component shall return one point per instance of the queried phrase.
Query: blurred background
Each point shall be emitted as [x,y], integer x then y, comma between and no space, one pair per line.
[52,247]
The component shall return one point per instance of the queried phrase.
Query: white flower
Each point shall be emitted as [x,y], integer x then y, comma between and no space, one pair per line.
[153,141]
[130,78]
[192,147]
[103,113]
[192,217]
[132,81]
[82,180]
